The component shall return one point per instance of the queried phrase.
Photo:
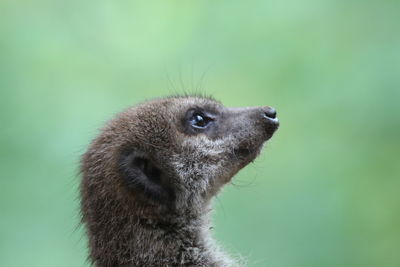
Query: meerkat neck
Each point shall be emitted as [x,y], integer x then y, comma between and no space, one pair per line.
[137,240]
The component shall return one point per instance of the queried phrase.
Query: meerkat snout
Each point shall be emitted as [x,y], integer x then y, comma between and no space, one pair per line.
[149,176]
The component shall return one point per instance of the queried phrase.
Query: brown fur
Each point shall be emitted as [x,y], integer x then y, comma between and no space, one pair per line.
[149,176]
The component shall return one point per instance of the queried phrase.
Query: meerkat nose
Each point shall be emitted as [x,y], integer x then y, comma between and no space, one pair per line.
[269,112]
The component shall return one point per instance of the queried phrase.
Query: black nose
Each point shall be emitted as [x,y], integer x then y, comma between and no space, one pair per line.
[270,112]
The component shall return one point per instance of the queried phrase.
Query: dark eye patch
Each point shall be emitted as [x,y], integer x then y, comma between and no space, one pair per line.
[198,120]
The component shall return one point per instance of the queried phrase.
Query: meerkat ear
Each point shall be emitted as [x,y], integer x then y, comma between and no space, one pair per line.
[142,174]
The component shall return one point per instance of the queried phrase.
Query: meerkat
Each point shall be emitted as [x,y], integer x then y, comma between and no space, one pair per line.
[149,177]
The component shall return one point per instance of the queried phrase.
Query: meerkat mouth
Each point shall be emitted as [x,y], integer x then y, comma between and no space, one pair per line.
[247,152]
[243,152]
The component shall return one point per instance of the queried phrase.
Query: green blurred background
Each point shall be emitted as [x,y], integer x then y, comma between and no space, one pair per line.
[325,191]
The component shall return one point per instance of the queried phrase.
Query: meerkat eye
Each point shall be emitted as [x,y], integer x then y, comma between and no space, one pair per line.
[199,120]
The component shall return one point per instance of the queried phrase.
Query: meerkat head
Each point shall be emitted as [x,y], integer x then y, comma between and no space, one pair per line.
[173,154]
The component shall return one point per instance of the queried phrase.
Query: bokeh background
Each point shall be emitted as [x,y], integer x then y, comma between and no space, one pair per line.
[325,192]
